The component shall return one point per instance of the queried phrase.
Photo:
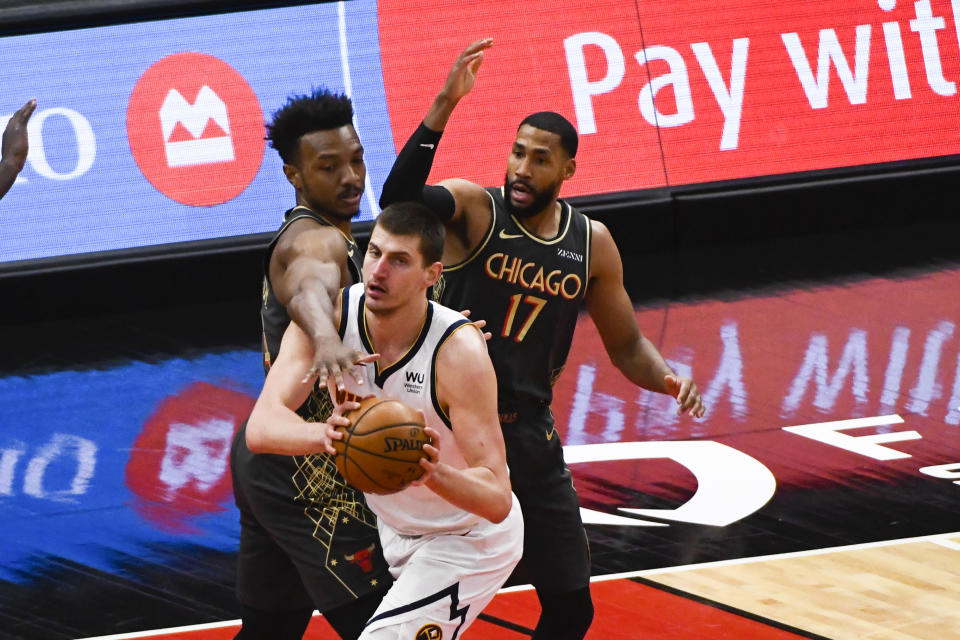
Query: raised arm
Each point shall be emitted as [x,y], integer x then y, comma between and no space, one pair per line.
[408,176]
[630,351]
[274,426]
[307,270]
[462,205]
[467,389]
[15,146]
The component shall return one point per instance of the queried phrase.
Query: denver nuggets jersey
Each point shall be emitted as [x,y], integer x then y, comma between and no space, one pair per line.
[529,291]
[412,380]
[273,315]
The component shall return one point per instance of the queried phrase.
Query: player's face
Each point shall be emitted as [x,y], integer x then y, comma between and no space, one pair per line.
[330,175]
[394,274]
[537,167]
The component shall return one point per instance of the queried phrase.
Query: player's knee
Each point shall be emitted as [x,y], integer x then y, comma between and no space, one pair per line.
[564,616]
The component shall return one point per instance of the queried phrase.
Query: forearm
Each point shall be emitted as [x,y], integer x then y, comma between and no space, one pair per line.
[476,489]
[440,111]
[312,309]
[283,432]
[407,179]
[643,365]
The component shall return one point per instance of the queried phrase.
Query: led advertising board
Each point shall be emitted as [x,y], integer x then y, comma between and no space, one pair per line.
[152,133]
[667,93]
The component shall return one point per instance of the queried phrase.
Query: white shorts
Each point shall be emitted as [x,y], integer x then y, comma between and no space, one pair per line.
[443,581]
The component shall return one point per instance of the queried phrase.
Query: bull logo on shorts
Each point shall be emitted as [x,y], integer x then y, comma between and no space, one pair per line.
[429,632]
[363,559]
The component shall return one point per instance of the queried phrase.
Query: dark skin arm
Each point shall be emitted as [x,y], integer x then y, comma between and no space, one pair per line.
[308,268]
[472,214]
[607,301]
[630,351]
[15,147]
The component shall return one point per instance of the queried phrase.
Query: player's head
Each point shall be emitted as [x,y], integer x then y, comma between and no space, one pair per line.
[403,256]
[321,152]
[417,220]
[542,157]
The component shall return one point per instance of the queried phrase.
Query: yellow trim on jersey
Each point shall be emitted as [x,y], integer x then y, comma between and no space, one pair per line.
[324,218]
[362,322]
[564,208]
[586,262]
[436,353]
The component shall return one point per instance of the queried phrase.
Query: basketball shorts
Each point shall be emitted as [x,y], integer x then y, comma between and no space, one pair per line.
[305,538]
[556,553]
[443,581]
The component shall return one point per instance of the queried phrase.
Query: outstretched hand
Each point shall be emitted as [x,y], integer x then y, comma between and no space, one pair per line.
[332,360]
[463,74]
[685,390]
[15,146]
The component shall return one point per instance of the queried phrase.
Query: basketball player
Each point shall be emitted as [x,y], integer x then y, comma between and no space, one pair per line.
[453,539]
[525,261]
[15,147]
[307,540]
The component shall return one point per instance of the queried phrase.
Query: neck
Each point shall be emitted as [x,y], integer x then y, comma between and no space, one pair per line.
[545,224]
[393,332]
[340,223]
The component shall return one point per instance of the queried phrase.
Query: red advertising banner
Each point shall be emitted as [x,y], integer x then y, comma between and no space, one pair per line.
[670,93]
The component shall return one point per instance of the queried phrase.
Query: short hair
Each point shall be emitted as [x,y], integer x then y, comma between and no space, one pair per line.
[321,110]
[414,219]
[555,123]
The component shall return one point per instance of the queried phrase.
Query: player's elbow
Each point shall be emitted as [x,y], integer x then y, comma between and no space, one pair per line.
[255,433]
[499,509]
[499,516]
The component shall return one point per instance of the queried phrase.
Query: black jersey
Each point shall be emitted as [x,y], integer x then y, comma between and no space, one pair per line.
[289,502]
[273,315]
[529,291]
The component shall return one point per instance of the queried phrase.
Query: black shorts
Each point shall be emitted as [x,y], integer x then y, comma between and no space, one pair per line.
[556,554]
[306,538]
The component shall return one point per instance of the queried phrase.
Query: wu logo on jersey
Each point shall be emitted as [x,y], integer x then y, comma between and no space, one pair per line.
[414,382]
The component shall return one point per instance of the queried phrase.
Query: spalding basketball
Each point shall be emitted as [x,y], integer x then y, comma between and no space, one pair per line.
[381,449]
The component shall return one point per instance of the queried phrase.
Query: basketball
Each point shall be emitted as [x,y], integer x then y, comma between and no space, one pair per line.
[381,449]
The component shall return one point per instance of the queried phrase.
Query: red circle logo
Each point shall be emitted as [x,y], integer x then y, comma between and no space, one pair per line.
[196,129]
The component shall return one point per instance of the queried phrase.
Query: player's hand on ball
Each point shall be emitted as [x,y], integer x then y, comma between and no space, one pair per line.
[685,390]
[379,451]
[431,460]
[338,419]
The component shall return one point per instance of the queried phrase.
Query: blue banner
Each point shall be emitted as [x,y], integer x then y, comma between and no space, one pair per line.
[101,464]
[153,133]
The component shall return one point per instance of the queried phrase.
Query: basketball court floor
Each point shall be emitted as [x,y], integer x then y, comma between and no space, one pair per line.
[816,499]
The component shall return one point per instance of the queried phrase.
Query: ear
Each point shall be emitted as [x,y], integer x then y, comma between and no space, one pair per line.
[293,176]
[433,273]
[569,168]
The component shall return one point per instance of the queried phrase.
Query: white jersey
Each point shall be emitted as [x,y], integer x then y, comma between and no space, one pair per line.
[412,380]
